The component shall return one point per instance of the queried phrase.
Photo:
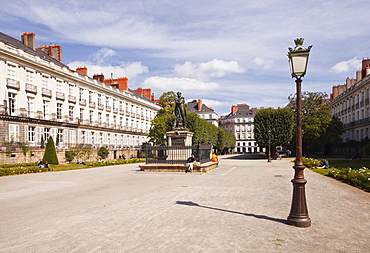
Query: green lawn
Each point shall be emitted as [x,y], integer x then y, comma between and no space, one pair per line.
[354,164]
[338,164]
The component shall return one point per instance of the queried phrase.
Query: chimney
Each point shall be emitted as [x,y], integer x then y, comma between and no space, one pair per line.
[29,40]
[54,51]
[199,104]
[82,70]
[145,93]
[234,109]
[99,77]
[365,67]
[120,83]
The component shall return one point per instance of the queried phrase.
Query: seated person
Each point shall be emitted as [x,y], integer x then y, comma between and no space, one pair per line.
[190,161]
[324,164]
[278,156]
[214,157]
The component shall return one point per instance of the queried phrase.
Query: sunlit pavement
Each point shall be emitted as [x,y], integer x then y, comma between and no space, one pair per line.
[240,207]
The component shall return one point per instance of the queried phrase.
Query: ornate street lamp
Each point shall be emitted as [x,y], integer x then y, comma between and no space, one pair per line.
[298,216]
[269,154]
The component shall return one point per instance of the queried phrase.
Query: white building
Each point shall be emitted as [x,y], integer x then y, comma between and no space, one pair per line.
[203,111]
[350,102]
[42,97]
[240,122]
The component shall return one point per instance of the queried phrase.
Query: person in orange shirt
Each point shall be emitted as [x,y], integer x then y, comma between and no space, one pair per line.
[214,157]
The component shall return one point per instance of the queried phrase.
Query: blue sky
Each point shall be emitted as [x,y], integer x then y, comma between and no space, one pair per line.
[223,52]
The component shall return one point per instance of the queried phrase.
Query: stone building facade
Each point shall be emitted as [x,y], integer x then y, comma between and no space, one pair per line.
[350,102]
[41,97]
[240,122]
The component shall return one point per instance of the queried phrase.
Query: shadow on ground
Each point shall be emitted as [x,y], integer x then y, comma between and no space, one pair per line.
[247,157]
[257,216]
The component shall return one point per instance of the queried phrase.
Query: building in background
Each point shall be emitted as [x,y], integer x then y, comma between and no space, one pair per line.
[41,97]
[240,122]
[203,111]
[350,102]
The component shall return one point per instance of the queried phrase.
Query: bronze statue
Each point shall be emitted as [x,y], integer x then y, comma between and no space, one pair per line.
[180,112]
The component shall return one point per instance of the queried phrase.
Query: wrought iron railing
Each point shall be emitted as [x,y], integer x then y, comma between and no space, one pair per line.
[177,154]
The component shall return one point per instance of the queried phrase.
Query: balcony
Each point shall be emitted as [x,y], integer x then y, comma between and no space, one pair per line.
[115,110]
[31,88]
[108,108]
[122,112]
[72,99]
[82,101]
[60,96]
[92,104]
[46,92]
[11,83]
[100,107]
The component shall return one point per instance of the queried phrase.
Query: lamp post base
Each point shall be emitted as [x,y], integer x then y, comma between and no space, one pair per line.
[301,222]
[298,215]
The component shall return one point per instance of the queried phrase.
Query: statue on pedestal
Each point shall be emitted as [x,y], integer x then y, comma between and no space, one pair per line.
[180,112]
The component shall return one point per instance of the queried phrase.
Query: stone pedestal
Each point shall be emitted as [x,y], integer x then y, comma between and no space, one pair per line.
[180,138]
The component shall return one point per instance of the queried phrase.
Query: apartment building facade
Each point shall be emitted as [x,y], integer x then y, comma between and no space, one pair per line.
[350,102]
[41,97]
[240,122]
[205,112]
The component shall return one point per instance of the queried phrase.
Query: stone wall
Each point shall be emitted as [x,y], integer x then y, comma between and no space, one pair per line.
[16,155]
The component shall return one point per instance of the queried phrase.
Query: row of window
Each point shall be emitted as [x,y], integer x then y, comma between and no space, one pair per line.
[243,136]
[238,120]
[110,103]
[67,138]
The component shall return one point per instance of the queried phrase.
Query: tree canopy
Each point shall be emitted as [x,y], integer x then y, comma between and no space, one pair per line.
[280,123]
[319,127]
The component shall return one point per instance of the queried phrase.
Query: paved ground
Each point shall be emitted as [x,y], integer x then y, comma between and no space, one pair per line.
[240,207]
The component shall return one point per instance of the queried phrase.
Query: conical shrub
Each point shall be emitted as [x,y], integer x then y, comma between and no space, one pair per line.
[50,154]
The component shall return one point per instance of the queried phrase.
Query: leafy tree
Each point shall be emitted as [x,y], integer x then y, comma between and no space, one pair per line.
[318,125]
[103,152]
[161,124]
[24,149]
[50,154]
[83,152]
[280,123]
[70,155]
[167,101]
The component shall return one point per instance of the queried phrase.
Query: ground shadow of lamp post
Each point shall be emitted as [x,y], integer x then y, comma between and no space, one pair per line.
[269,154]
[298,216]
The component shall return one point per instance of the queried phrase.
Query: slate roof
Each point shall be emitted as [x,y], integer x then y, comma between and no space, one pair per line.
[19,44]
[193,107]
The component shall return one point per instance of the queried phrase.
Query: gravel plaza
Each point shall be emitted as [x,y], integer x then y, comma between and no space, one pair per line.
[241,206]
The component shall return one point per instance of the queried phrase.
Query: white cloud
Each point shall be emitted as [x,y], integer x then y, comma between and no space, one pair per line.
[264,63]
[129,70]
[214,68]
[103,55]
[184,84]
[353,64]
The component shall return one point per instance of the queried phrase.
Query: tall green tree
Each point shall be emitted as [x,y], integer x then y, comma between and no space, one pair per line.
[50,154]
[274,126]
[318,123]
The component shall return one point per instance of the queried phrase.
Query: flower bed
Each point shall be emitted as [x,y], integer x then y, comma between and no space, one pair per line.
[356,177]
[359,177]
